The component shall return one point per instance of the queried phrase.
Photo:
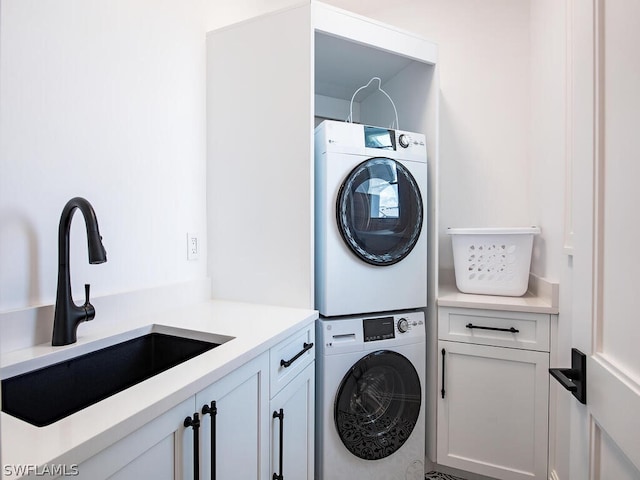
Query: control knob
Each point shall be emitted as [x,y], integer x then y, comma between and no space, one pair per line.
[403,325]
[404,140]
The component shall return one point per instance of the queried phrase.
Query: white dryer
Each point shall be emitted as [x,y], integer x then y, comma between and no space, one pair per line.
[370,397]
[370,219]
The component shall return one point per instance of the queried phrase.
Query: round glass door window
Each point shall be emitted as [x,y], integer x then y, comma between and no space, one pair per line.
[379,211]
[377,405]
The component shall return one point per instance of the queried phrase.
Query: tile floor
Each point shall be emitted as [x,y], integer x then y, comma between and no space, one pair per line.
[440,476]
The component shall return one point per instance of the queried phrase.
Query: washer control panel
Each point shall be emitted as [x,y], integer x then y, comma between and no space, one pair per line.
[349,334]
[385,328]
[382,328]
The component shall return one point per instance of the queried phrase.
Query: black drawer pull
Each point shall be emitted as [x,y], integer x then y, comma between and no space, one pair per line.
[280,416]
[213,411]
[195,424]
[510,329]
[305,348]
[442,392]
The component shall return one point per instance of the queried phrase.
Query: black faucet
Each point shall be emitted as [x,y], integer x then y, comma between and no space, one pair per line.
[68,315]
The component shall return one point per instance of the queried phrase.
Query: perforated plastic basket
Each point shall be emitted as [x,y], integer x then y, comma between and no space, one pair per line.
[492,261]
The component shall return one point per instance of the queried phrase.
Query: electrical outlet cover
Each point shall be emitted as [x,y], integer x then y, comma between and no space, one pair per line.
[193,246]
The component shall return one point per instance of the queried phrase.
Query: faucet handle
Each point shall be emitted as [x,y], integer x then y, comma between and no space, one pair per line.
[90,312]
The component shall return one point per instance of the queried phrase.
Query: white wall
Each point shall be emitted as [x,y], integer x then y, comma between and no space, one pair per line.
[547,146]
[220,13]
[106,100]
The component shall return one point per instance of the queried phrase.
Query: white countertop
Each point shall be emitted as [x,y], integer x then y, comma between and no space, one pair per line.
[256,328]
[529,302]
[542,297]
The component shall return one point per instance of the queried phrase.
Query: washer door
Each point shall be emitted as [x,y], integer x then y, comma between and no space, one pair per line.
[379,211]
[377,405]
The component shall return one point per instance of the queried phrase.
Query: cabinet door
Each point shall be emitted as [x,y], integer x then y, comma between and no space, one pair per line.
[162,449]
[493,410]
[241,424]
[292,428]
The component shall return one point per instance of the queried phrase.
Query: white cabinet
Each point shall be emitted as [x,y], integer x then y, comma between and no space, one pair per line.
[237,433]
[292,407]
[292,434]
[238,405]
[493,392]
[166,448]
[157,450]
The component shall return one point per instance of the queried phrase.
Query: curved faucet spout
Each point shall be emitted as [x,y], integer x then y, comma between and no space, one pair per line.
[68,315]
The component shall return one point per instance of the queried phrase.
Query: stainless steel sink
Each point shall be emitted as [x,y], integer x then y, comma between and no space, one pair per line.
[48,394]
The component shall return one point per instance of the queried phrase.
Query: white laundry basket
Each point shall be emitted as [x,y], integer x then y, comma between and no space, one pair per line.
[492,261]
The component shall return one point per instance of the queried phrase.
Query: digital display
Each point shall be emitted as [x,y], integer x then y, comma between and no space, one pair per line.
[381,138]
[378,329]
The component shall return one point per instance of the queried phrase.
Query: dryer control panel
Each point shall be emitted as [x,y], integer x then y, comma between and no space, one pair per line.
[357,139]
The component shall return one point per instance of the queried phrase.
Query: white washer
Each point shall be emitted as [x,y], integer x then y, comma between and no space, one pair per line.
[370,219]
[370,397]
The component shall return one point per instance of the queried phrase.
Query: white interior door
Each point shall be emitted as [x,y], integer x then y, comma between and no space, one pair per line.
[605,433]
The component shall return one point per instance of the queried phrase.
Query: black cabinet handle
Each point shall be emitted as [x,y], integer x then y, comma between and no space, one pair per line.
[280,415]
[442,389]
[213,411]
[195,424]
[510,329]
[305,347]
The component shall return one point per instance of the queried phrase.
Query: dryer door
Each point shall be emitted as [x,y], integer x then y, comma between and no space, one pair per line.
[379,211]
[377,405]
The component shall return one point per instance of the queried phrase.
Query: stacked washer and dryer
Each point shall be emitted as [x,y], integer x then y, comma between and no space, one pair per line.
[371,284]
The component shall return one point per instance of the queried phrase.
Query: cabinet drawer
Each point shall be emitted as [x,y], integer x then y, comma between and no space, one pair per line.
[290,357]
[529,331]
